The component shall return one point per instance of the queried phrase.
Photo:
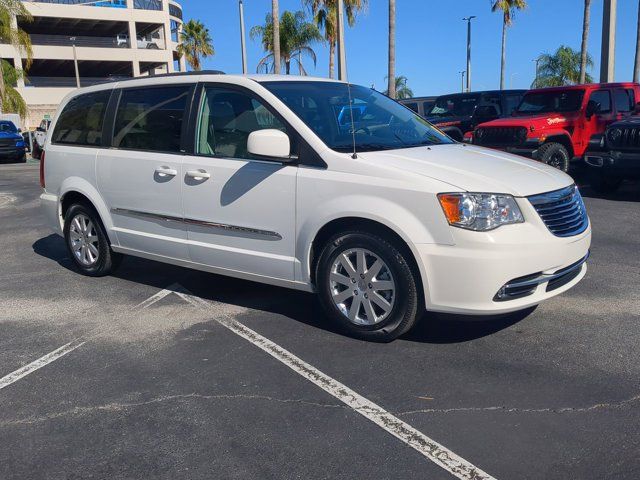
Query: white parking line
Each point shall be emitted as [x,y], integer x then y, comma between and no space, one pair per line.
[428,447]
[38,364]
[157,297]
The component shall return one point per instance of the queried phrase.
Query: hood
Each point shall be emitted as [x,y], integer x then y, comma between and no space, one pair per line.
[538,122]
[474,169]
[17,136]
[633,122]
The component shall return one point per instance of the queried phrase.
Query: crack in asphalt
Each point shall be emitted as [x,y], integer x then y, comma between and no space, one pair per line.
[117,407]
[502,408]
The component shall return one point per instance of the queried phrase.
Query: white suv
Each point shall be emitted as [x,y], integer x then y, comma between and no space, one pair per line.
[313,185]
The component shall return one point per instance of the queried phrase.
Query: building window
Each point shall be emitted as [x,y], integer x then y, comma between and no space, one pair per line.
[175,31]
[147,4]
[175,11]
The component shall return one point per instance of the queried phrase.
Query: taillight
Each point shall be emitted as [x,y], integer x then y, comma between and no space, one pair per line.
[42,169]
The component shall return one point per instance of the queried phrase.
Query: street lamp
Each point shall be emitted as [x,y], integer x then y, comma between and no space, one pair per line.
[75,60]
[242,36]
[462,74]
[468,20]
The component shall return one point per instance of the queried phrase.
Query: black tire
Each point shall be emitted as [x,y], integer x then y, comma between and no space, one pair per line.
[602,183]
[107,260]
[406,305]
[555,155]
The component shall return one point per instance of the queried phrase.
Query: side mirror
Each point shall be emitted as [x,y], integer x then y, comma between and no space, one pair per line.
[270,143]
[19,130]
[593,107]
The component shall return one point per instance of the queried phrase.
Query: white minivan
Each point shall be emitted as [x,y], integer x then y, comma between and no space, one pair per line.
[309,184]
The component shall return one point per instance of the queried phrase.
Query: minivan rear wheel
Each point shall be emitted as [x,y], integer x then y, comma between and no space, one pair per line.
[87,242]
[367,286]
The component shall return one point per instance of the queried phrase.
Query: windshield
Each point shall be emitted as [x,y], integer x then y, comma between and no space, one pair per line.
[548,102]
[454,106]
[379,123]
[8,127]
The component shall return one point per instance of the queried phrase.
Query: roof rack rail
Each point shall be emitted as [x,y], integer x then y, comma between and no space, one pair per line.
[163,75]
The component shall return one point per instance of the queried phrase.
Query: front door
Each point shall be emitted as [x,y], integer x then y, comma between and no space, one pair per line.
[140,177]
[239,211]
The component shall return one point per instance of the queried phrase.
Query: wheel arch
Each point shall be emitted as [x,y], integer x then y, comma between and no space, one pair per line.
[346,223]
[74,190]
[564,139]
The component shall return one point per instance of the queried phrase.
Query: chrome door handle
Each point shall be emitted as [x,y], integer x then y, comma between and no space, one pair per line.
[165,171]
[198,174]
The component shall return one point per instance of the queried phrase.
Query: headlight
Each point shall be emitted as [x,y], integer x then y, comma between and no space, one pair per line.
[19,143]
[479,211]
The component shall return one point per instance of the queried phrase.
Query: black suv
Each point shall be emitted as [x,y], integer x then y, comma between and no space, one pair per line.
[614,156]
[460,113]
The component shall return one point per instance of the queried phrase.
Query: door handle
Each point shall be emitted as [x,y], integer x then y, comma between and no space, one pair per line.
[165,171]
[198,174]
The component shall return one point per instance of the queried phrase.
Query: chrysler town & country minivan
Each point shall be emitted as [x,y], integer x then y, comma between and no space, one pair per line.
[266,178]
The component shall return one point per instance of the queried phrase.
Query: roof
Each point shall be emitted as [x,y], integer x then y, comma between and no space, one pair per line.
[586,86]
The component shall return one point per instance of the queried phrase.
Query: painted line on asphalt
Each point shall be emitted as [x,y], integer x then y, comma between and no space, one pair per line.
[432,450]
[39,363]
[158,296]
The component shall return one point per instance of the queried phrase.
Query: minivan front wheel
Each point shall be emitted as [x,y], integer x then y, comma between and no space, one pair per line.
[87,242]
[367,287]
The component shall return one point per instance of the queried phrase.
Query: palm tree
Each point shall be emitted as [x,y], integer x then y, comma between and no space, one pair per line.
[508,9]
[275,20]
[562,68]
[391,75]
[296,36]
[585,38]
[19,39]
[636,65]
[402,88]
[195,43]
[325,17]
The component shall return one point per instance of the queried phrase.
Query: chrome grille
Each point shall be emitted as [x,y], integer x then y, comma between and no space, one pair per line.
[562,211]
[624,138]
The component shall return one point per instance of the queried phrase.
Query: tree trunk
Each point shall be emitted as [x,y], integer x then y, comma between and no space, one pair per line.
[2,87]
[391,75]
[503,62]
[332,58]
[585,38]
[276,36]
[636,65]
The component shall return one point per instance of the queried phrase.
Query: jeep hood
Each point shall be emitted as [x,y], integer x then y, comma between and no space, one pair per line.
[474,169]
[539,122]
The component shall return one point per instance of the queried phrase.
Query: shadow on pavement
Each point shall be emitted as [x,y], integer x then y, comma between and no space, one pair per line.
[299,306]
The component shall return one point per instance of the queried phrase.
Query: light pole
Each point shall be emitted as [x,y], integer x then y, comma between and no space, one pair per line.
[608,53]
[468,20]
[537,60]
[242,35]
[462,74]
[342,56]
[75,60]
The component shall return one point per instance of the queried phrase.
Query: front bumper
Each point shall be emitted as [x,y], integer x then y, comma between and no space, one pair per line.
[620,164]
[465,278]
[11,152]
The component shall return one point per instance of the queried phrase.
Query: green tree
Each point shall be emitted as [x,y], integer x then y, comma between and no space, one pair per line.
[508,9]
[561,68]
[402,88]
[326,18]
[296,36]
[9,97]
[195,43]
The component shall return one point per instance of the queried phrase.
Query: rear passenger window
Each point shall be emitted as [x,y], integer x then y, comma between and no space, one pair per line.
[151,119]
[624,100]
[603,97]
[81,120]
[412,106]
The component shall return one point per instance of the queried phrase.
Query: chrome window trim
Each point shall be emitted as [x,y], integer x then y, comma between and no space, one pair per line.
[266,234]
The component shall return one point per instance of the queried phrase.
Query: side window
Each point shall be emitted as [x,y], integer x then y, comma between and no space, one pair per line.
[511,102]
[603,97]
[151,118]
[80,122]
[226,119]
[412,106]
[624,100]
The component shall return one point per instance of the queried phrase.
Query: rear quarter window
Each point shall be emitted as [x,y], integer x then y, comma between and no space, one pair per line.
[80,122]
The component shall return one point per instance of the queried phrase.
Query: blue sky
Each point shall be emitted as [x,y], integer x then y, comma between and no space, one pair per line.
[431,40]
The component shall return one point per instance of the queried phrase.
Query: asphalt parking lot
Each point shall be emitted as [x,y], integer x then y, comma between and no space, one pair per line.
[155,378]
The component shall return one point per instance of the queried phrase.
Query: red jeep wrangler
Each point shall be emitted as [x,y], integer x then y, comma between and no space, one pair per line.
[554,125]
